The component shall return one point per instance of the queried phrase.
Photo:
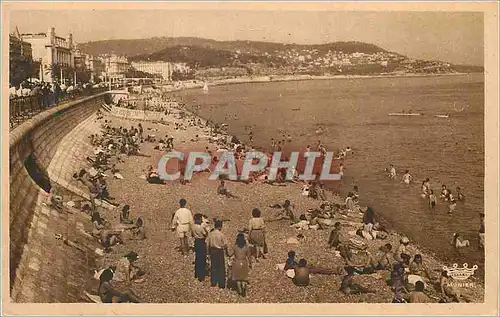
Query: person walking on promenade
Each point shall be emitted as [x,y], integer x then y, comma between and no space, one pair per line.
[182,222]
[217,246]
[200,248]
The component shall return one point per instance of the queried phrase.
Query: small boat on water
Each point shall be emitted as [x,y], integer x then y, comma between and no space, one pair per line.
[442,116]
[404,114]
[205,88]
[295,109]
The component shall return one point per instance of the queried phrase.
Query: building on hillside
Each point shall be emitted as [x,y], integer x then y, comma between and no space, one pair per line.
[164,69]
[54,53]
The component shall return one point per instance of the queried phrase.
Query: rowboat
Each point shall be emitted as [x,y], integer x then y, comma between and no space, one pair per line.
[442,116]
[404,114]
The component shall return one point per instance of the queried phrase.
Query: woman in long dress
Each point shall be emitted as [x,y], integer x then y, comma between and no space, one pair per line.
[241,264]
[256,233]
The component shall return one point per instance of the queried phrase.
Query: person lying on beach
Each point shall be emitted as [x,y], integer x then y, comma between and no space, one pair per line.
[126,270]
[152,177]
[109,294]
[222,190]
[383,260]
[286,211]
[137,233]
[348,286]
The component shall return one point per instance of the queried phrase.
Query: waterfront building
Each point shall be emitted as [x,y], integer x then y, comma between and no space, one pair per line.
[164,69]
[53,52]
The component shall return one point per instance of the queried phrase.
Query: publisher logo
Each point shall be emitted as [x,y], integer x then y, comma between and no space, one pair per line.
[460,275]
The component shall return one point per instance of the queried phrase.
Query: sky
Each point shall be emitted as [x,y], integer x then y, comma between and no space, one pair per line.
[455,37]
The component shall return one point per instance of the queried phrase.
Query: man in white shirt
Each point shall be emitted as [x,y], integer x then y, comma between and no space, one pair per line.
[182,222]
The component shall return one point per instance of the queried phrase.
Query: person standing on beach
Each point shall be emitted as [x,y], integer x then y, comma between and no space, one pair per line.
[241,264]
[256,233]
[200,233]
[182,222]
[217,246]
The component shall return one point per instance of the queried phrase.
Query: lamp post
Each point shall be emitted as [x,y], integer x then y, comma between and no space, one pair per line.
[41,69]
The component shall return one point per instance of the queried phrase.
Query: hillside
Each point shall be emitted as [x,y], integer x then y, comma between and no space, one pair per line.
[196,56]
[147,46]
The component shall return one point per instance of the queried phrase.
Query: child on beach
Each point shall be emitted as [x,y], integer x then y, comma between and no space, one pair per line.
[432,200]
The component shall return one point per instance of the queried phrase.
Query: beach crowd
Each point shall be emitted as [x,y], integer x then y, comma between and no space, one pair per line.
[226,261]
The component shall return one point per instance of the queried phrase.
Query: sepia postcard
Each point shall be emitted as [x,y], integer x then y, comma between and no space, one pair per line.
[250,158]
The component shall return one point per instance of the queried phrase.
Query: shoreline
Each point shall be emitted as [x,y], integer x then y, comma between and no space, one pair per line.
[286,78]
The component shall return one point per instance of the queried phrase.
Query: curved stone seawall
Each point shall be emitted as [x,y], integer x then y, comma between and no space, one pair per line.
[39,263]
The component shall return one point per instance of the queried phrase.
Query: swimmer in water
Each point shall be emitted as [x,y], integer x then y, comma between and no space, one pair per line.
[407,177]
[445,193]
[425,190]
[460,195]
[432,200]
[452,206]
[392,172]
